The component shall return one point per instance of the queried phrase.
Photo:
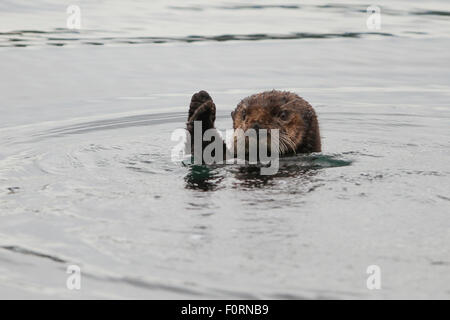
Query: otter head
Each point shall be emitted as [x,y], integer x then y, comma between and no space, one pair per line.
[295,119]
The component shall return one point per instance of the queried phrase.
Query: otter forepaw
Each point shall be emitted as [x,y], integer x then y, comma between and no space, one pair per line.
[206,113]
[203,109]
[197,100]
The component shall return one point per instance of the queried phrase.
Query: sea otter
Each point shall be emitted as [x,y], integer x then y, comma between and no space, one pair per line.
[294,117]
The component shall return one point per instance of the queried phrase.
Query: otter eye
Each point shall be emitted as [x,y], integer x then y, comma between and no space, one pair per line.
[244,114]
[283,115]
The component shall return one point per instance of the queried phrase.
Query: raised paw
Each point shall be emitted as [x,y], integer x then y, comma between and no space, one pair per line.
[197,100]
[206,113]
[203,109]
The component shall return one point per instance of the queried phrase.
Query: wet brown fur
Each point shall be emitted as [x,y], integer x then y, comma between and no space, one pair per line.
[264,109]
[283,110]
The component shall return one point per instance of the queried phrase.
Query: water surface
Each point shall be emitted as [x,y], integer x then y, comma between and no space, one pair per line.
[86,176]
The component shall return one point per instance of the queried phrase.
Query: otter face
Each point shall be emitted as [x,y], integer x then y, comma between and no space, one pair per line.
[281,115]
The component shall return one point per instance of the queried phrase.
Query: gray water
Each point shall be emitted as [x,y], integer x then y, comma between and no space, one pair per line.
[86,176]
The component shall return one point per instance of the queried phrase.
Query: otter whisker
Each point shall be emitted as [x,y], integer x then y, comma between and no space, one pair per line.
[282,144]
[282,147]
[288,143]
[293,145]
[283,140]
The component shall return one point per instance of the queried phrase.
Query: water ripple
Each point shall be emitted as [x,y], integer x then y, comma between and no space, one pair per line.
[26,38]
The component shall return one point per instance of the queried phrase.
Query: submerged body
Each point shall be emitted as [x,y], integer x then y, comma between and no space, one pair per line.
[293,117]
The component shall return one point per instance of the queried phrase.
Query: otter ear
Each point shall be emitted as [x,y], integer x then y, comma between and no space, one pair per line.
[232,114]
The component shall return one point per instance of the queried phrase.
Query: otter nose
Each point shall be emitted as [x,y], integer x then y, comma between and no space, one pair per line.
[256,126]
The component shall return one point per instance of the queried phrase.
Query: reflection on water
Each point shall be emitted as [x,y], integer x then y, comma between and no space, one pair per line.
[209,178]
[204,178]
